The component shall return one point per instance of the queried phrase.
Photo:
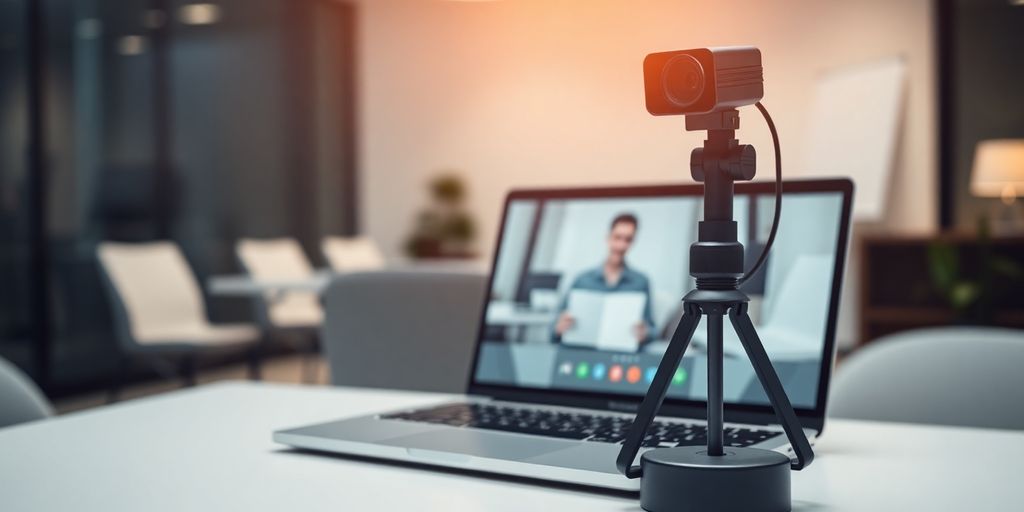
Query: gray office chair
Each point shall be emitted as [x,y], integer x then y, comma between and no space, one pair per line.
[402,330]
[20,399]
[959,376]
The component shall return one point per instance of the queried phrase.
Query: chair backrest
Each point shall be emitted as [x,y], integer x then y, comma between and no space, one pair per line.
[354,254]
[155,286]
[965,376]
[20,399]
[402,330]
[282,259]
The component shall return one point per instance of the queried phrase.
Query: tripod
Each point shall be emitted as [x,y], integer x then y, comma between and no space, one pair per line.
[716,477]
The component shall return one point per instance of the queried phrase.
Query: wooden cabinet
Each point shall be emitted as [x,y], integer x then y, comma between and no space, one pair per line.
[899,290]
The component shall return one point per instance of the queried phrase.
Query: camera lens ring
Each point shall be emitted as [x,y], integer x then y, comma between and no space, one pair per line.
[682,80]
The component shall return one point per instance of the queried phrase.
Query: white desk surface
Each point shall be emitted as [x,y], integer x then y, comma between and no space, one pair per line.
[209,448]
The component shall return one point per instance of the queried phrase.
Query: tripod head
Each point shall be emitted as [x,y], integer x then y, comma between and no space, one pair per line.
[716,259]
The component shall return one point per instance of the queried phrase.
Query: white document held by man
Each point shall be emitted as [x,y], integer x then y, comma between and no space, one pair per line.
[605,320]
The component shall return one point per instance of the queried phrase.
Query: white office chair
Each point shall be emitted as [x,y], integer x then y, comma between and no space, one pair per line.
[961,376]
[293,317]
[159,312]
[282,259]
[20,400]
[355,254]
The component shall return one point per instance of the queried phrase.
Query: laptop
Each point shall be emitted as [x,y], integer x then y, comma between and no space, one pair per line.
[560,367]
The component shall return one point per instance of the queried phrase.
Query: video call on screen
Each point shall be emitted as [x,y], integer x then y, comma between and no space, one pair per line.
[586,293]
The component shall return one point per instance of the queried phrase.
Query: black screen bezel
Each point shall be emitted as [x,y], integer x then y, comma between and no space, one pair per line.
[812,418]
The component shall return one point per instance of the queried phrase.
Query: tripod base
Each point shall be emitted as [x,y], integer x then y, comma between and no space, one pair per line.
[688,479]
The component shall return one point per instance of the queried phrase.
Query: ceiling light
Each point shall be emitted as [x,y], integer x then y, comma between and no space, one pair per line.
[199,14]
[131,45]
[153,19]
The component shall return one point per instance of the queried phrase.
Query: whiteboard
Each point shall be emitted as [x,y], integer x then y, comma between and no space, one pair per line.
[853,127]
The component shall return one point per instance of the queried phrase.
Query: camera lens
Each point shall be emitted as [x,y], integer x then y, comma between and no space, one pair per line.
[682,79]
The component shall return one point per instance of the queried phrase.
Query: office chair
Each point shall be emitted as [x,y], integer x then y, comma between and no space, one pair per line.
[959,376]
[159,314]
[292,317]
[402,330]
[353,254]
[20,400]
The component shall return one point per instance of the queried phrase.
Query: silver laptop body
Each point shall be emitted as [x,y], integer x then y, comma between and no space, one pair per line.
[527,368]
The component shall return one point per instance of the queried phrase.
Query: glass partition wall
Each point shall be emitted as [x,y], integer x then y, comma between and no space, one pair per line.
[16,204]
[197,122]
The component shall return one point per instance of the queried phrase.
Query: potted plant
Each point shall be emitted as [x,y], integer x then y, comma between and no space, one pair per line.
[971,295]
[444,229]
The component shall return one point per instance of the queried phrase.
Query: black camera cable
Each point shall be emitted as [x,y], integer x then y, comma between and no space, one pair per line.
[778,196]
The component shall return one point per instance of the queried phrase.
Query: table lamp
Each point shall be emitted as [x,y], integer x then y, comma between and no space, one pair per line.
[999,172]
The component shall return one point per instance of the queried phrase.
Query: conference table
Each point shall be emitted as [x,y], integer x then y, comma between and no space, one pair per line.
[210,448]
[245,285]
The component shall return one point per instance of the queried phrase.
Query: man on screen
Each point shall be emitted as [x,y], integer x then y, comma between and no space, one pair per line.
[614,276]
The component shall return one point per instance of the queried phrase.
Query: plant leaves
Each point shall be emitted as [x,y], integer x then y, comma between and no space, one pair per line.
[943,264]
[1007,267]
[963,294]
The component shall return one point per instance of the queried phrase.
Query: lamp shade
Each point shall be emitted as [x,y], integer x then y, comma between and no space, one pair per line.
[998,169]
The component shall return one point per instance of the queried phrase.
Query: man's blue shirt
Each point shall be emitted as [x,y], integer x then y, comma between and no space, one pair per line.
[629,281]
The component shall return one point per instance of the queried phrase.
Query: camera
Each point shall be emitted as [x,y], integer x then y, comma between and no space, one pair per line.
[702,80]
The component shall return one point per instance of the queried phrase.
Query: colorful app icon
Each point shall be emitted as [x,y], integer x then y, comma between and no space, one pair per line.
[633,374]
[679,377]
[565,368]
[649,373]
[615,373]
[599,371]
[582,370]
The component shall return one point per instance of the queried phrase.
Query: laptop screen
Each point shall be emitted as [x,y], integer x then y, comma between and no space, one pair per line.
[586,290]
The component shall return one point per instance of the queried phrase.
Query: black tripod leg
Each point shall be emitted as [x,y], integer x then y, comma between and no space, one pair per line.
[656,394]
[772,386]
[716,411]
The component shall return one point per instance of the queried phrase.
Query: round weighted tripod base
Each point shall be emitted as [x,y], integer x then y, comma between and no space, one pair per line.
[688,479]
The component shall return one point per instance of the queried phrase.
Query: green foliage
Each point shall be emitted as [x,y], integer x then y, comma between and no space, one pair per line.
[460,226]
[1007,267]
[964,293]
[944,265]
[448,188]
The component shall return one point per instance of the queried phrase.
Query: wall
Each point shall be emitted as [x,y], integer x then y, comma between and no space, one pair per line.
[522,93]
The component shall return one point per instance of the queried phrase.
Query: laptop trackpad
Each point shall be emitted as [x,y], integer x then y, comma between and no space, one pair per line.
[476,443]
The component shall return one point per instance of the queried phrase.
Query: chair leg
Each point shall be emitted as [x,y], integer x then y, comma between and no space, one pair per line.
[188,370]
[117,382]
[310,362]
[310,368]
[256,361]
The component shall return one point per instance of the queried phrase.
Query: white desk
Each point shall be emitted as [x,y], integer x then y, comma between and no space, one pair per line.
[209,448]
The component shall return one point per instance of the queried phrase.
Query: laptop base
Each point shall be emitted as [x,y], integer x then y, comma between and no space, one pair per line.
[688,479]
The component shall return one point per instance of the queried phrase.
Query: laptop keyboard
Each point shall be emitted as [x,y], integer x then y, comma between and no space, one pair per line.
[566,425]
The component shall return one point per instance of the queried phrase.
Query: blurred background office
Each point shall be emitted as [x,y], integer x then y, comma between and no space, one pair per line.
[384,134]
